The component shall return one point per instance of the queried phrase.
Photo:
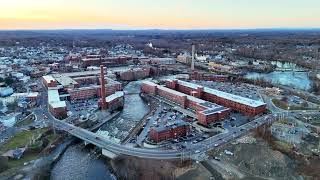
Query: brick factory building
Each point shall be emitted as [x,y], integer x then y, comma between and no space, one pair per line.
[135,74]
[184,58]
[84,85]
[76,86]
[169,131]
[49,81]
[57,107]
[114,101]
[93,91]
[200,76]
[244,105]
[155,61]
[206,112]
[97,60]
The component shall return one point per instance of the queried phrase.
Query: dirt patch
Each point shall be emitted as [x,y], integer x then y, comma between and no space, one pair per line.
[197,172]
[132,168]
[310,169]
[257,159]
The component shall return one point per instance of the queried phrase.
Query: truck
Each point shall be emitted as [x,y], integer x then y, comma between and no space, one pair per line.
[228,152]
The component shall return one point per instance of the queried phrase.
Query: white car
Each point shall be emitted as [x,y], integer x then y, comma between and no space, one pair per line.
[197,151]
[216,145]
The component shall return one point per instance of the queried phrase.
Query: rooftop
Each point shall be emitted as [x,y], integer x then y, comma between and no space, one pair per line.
[29,94]
[210,107]
[231,97]
[64,80]
[83,73]
[48,78]
[54,99]
[163,126]
[114,96]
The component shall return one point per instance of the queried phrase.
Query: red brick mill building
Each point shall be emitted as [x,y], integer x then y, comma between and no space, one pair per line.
[210,105]
[244,105]
[164,132]
[206,112]
[201,76]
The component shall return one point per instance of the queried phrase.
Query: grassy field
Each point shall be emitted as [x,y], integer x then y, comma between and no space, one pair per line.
[25,158]
[21,139]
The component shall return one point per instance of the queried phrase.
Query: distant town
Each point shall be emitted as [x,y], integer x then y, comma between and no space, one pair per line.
[155,104]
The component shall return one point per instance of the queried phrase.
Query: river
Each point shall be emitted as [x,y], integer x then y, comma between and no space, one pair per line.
[133,111]
[79,163]
[298,80]
[134,108]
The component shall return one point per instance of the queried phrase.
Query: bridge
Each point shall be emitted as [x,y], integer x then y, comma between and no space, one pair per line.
[104,143]
[190,152]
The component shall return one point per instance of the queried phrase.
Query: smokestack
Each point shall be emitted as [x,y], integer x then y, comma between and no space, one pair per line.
[103,89]
[193,56]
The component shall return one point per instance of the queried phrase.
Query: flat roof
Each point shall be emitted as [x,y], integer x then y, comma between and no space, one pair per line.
[97,72]
[210,107]
[171,125]
[53,95]
[194,99]
[58,104]
[54,99]
[64,80]
[171,91]
[215,110]
[114,96]
[29,94]
[149,83]
[228,96]
[82,73]
[92,59]
[48,78]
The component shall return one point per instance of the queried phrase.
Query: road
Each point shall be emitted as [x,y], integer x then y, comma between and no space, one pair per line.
[190,151]
[144,133]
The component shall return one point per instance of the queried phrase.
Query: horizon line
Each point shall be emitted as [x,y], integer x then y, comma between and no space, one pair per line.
[166,29]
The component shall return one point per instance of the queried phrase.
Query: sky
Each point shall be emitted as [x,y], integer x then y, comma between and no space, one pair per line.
[159,14]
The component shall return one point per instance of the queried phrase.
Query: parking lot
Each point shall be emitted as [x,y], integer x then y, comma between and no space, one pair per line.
[167,114]
[240,89]
[235,120]
[82,107]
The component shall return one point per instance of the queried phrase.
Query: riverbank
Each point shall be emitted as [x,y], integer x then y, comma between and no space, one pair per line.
[82,163]
[299,80]
[36,164]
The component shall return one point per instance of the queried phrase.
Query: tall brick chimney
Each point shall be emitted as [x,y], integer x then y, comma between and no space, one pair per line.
[193,56]
[103,89]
